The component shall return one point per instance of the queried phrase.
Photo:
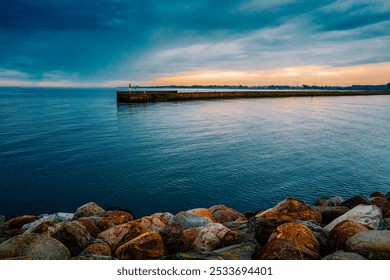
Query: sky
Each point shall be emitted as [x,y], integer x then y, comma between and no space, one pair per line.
[205,42]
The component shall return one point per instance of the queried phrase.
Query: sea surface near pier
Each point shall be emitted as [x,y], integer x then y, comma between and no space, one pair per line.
[60,148]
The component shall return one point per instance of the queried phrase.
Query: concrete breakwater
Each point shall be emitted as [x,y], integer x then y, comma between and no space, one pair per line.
[332,229]
[174,95]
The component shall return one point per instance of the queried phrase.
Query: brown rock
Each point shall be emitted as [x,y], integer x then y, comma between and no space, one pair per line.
[381,202]
[339,235]
[87,210]
[101,249]
[223,214]
[146,246]
[174,239]
[261,228]
[90,226]
[113,218]
[377,194]
[18,222]
[73,235]
[284,250]
[46,228]
[152,223]
[329,213]
[235,237]
[321,201]
[292,209]
[296,234]
[202,212]
[209,237]
[191,234]
[355,201]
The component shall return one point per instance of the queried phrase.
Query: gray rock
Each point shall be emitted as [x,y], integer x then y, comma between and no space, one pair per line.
[73,235]
[2,219]
[36,246]
[355,201]
[241,226]
[189,220]
[384,224]
[329,213]
[372,244]
[368,215]
[57,217]
[87,210]
[341,255]
[320,233]
[333,201]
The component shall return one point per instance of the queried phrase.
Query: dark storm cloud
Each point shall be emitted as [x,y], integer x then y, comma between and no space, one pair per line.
[118,39]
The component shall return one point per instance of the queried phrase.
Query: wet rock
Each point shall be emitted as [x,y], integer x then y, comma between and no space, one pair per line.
[381,202]
[355,201]
[242,251]
[209,237]
[223,214]
[261,228]
[101,249]
[320,233]
[296,234]
[174,239]
[57,217]
[202,212]
[34,246]
[90,226]
[73,235]
[329,213]
[341,255]
[87,210]
[292,209]
[284,250]
[333,201]
[339,235]
[156,222]
[384,224]
[18,222]
[189,220]
[368,215]
[146,246]
[120,234]
[235,237]
[372,244]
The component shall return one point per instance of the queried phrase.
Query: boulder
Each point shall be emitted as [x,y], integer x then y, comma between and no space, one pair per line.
[368,215]
[35,246]
[355,201]
[321,201]
[18,222]
[2,219]
[320,233]
[261,228]
[191,234]
[99,248]
[292,209]
[93,257]
[112,218]
[223,214]
[90,226]
[189,220]
[209,237]
[46,228]
[372,244]
[57,217]
[146,246]
[381,202]
[249,214]
[339,235]
[156,222]
[120,234]
[284,250]
[202,212]
[241,226]
[73,235]
[174,239]
[341,255]
[235,237]
[329,213]
[333,201]
[87,210]
[384,224]
[377,194]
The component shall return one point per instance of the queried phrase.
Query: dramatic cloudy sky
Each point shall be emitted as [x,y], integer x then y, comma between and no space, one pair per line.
[112,42]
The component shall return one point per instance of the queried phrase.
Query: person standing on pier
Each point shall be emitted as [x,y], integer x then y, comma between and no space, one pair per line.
[129,88]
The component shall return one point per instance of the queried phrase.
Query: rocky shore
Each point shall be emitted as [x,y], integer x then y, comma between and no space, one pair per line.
[332,229]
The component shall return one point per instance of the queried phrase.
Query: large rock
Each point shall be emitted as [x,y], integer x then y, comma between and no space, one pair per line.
[237,225]
[174,239]
[261,228]
[292,209]
[333,201]
[381,202]
[191,234]
[98,248]
[189,220]
[329,213]
[320,233]
[372,244]
[341,255]
[384,224]
[90,226]
[156,222]
[146,246]
[2,219]
[339,235]
[120,234]
[284,250]
[57,217]
[112,218]
[202,212]
[19,222]
[368,215]
[73,235]
[223,214]
[209,237]
[35,246]
[355,201]
[87,210]
[234,237]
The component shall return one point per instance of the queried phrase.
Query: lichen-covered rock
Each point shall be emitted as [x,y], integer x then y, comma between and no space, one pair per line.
[292,209]
[368,215]
[234,237]
[99,248]
[146,246]
[73,235]
[87,210]
[18,222]
[372,244]
[191,234]
[112,218]
[296,234]
[156,222]
[202,212]
[90,226]
[284,250]
[333,201]
[339,235]
[120,234]
[355,201]
[341,255]
[189,220]
[57,217]
[46,228]
[209,237]
[35,246]
[223,214]
[261,228]
[320,233]
[330,213]
[174,239]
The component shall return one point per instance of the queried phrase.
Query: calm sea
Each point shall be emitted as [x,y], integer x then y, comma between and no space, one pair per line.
[61,148]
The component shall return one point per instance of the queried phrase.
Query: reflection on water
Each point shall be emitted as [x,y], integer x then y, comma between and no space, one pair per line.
[62,148]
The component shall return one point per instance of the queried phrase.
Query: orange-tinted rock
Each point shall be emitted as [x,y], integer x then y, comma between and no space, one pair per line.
[113,218]
[146,246]
[18,222]
[174,239]
[292,209]
[101,249]
[46,228]
[209,237]
[163,217]
[223,214]
[202,212]
[151,223]
[87,210]
[261,228]
[377,194]
[339,235]
[381,202]
[189,220]
[284,250]
[90,226]
[73,235]
[296,234]
[191,234]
